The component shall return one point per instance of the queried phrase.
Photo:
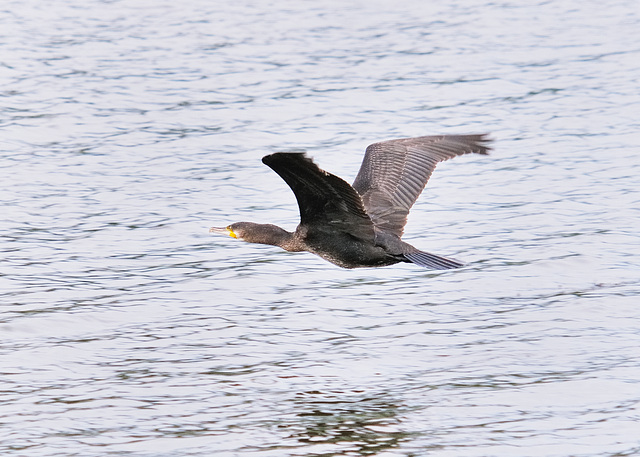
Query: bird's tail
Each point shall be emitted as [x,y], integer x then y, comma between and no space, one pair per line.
[432,261]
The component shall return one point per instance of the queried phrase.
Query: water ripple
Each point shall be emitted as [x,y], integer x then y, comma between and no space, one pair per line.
[129,128]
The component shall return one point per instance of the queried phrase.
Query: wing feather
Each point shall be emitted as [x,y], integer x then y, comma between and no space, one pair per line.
[394,173]
[324,200]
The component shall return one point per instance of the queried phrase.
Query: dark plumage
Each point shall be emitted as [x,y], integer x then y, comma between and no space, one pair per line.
[360,225]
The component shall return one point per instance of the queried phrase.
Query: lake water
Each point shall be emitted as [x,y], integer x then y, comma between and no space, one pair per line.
[128,128]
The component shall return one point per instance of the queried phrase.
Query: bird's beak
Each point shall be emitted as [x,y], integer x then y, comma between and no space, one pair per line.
[223,231]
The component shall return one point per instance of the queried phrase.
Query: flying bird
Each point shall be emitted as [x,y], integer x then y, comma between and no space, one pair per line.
[360,225]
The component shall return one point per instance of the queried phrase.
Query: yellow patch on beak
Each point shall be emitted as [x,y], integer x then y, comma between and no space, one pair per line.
[231,234]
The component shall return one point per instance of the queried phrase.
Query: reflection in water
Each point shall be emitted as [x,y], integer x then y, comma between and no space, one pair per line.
[365,426]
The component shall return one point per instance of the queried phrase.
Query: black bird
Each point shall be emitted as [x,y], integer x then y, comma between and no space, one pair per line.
[360,225]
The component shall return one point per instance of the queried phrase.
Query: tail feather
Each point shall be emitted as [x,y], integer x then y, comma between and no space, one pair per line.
[432,261]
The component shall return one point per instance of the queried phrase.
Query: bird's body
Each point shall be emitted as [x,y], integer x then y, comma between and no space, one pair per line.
[360,225]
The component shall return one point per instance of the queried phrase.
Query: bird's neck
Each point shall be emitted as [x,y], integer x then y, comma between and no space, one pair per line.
[274,236]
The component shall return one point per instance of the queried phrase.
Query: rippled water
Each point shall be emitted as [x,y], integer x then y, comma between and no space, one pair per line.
[130,127]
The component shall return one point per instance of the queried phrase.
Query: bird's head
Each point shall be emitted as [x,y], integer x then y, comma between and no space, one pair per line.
[236,230]
[254,233]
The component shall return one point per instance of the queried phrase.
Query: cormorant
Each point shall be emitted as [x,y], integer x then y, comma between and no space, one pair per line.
[360,225]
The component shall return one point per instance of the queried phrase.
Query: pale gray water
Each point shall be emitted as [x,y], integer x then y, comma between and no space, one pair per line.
[130,127]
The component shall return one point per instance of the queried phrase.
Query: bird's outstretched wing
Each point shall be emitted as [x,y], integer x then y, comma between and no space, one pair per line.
[394,173]
[325,200]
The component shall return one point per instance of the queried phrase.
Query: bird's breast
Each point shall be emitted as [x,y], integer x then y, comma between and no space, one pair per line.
[346,250]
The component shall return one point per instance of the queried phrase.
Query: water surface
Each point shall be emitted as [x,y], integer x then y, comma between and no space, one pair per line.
[129,128]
